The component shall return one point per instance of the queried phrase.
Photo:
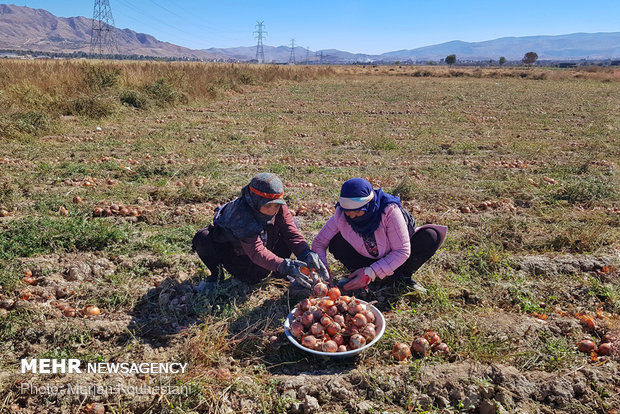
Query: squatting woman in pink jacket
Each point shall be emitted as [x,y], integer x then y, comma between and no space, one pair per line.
[375,238]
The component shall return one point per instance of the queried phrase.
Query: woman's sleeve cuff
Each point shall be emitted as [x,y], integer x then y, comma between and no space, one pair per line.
[370,273]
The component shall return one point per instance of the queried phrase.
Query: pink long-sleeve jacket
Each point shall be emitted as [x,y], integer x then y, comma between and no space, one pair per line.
[392,239]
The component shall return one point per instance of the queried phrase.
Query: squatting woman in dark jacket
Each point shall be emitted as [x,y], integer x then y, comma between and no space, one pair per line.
[255,234]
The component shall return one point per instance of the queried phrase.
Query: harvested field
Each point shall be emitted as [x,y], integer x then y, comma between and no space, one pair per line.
[108,170]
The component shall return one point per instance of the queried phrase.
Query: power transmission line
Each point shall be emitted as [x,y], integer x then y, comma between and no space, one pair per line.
[168,10]
[291,59]
[166,22]
[260,54]
[102,38]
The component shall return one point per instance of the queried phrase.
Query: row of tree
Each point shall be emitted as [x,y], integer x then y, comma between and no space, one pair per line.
[85,55]
[528,59]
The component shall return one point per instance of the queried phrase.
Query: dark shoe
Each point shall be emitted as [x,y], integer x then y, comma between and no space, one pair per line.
[411,283]
[205,286]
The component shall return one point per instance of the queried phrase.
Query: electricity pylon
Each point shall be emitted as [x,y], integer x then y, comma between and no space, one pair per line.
[102,39]
[320,55]
[260,34]
[291,59]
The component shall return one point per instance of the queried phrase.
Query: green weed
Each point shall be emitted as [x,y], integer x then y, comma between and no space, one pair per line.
[383,143]
[170,240]
[587,189]
[100,77]
[162,93]
[549,353]
[135,99]
[32,236]
[406,189]
[115,300]
[92,106]
[16,322]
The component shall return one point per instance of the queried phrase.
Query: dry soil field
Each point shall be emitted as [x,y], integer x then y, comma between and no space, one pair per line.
[107,171]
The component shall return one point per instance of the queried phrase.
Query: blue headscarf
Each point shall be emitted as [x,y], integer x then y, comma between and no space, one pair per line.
[357,194]
[242,218]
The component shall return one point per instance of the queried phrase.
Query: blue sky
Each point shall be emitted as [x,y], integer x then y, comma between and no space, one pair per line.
[355,26]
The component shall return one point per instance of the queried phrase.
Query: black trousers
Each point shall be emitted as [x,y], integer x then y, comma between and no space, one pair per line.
[218,256]
[424,244]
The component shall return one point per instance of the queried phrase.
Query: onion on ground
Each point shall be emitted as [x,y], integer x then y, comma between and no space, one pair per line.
[401,351]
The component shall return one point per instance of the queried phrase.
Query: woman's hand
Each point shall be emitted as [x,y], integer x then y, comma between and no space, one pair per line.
[359,279]
[291,269]
[314,262]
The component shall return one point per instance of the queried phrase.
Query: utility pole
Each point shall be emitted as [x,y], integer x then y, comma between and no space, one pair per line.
[320,57]
[307,55]
[260,35]
[291,59]
[102,38]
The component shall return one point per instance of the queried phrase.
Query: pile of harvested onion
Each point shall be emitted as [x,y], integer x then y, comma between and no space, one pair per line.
[329,322]
[606,347]
[421,346]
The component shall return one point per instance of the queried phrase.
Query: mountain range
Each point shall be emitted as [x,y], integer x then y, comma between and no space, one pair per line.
[23,28]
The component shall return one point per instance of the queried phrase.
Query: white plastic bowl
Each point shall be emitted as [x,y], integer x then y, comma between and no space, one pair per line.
[379,323]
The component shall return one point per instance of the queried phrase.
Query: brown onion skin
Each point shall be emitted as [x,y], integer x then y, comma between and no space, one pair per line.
[339,319]
[330,346]
[359,320]
[332,311]
[307,319]
[357,341]
[370,317]
[368,332]
[604,349]
[308,341]
[333,293]
[320,290]
[333,328]
[355,308]
[338,339]
[351,330]
[92,311]
[305,304]
[324,328]
[401,351]
[297,329]
[94,408]
[586,346]
[441,348]
[431,337]
[421,346]
[317,329]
